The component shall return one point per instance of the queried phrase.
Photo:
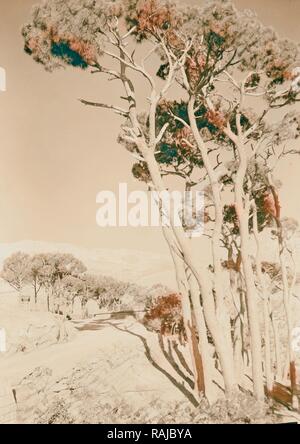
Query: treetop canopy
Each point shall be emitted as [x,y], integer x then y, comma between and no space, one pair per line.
[73,32]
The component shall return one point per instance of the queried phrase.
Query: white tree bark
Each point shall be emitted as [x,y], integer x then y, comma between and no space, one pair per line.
[289,322]
[147,150]
[224,354]
[286,298]
[221,308]
[186,306]
[208,363]
[277,349]
[266,316]
[242,206]
[238,328]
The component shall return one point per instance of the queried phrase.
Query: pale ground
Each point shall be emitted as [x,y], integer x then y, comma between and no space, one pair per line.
[109,363]
[123,371]
[88,345]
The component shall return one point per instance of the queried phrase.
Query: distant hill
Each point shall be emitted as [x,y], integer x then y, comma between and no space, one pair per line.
[142,267]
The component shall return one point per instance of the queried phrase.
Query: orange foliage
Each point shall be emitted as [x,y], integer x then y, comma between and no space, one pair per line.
[232,264]
[288,75]
[271,204]
[184,137]
[33,44]
[153,16]
[217,119]
[165,316]
[219,28]
[194,67]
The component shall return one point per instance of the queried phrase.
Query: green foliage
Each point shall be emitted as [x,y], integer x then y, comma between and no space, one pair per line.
[214,40]
[170,150]
[167,154]
[230,217]
[167,109]
[163,71]
[62,50]
[263,218]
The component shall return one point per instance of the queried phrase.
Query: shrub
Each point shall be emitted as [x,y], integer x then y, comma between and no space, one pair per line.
[164,316]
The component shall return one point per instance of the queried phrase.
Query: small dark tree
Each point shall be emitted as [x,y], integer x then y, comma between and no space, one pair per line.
[164,316]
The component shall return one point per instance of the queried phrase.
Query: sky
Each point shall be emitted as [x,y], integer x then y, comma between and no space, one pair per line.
[56,154]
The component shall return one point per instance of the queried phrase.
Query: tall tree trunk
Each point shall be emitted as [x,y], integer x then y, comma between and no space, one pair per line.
[251,300]
[277,349]
[221,308]
[207,359]
[266,316]
[200,384]
[242,206]
[186,312]
[287,308]
[147,150]
[238,328]
[286,295]
[35,293]
[267,346]
[223,351]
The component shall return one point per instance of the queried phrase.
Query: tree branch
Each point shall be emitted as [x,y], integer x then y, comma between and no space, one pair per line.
[118,110]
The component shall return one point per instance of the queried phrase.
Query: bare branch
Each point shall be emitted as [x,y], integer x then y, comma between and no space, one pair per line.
[128,33]
[131,65]
[232,80]
[118,110]
[152,50]
[135,155]
[161,133]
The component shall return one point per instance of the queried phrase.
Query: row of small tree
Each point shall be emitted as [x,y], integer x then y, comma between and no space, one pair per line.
[49,271]
[219,112]
[61,279]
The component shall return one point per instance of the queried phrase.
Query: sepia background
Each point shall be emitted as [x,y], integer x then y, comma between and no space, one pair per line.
[56,154]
